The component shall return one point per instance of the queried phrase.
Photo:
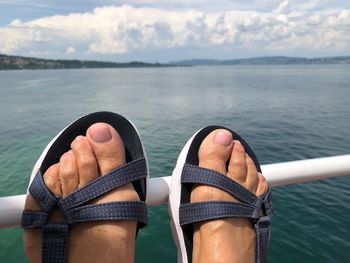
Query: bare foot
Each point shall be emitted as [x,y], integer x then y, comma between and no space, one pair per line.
[91,156]
[233,239]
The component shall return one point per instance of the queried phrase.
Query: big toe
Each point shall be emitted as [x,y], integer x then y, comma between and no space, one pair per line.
[215,150]
[107,146]
[213,154]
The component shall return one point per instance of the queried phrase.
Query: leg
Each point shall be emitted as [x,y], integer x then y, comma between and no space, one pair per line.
[225,240]
[91,156]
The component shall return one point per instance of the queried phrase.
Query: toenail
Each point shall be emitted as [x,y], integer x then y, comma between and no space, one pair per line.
[223,137]
[100,133]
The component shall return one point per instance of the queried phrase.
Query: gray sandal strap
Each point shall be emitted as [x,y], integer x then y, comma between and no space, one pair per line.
[200,175]
[123,175]
[202,211]
[267,203]
[263,231]
[250,207]
[126,210]
[41,194]
[55,235]
[33,219]
[55,243]
[135,171]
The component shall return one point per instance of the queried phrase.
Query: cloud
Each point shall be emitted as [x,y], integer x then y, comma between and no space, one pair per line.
[124,29]
[284,7]
[70,50]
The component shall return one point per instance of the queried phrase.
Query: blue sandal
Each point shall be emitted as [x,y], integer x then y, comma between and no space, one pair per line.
[76,207]
[183,213]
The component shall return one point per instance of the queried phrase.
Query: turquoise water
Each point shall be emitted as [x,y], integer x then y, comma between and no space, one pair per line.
[285,112]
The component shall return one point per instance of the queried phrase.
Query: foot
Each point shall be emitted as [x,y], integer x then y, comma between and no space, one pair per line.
[91,156]
[232,239]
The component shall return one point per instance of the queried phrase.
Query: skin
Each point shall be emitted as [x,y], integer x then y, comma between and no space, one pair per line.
[233,239]
[99,152]
[91,156]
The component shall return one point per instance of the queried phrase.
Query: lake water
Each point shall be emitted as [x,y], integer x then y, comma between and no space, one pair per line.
[285,112]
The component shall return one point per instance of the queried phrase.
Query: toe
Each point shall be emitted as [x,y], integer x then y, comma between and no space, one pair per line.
[68,173]
[262,185]
[86,162]
[107,146]
[252,179]
[213,154]
[52,180]
[238,165]
[215,150]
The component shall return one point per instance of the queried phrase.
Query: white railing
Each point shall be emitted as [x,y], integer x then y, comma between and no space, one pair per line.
[277,174]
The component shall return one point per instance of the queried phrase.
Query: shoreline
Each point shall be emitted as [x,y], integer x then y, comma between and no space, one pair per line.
[8,62]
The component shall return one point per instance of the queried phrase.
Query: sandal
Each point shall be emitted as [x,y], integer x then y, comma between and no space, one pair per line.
[76,207]
[183,213]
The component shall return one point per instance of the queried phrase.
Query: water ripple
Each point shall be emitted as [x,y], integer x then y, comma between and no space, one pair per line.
[285,113]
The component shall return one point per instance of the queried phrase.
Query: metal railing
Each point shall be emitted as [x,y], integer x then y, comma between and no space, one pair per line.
[277,174]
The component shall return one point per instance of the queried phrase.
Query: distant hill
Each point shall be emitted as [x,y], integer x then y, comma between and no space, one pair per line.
[275,60]
[17,62]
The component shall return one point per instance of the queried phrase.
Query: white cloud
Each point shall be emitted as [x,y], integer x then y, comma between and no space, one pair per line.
[124,29]
[284,7]
[70,50]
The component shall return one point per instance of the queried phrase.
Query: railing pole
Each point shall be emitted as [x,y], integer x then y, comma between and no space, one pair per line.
[277,174]
[10,210]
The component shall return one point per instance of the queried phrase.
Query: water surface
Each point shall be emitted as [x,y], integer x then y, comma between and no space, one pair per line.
[285,112]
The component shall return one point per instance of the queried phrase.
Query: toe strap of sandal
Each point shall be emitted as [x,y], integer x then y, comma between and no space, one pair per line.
[55,235]
[44,198]
[126,210]
[41,194]
[258,209]
[123,175]
[200,175]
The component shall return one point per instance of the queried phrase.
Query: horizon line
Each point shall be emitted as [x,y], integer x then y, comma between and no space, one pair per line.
[180,60]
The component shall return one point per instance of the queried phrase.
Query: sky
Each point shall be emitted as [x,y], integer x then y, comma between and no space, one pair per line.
[172,30]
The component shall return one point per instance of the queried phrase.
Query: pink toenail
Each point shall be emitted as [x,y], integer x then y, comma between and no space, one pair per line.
[223,137]
[100,133]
